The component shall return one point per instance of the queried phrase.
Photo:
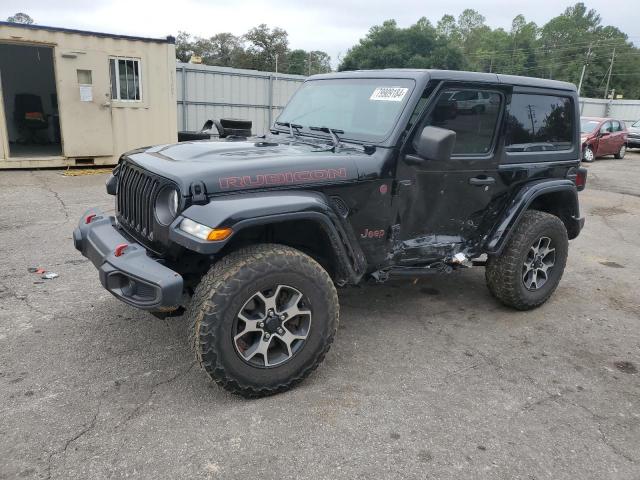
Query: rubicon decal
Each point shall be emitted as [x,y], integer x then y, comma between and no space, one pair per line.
[282,178]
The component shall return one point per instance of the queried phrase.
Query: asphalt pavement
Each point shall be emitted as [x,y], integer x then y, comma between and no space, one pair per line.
[429,380]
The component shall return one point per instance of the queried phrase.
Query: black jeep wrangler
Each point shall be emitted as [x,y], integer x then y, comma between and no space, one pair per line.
[365,176]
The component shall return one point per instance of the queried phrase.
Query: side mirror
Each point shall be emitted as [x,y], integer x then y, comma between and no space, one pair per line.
[436,143]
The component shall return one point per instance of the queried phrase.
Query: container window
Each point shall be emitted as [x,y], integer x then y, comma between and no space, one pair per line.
[126,84]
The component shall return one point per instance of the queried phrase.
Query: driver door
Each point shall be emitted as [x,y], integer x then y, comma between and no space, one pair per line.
[444,204]
[605,142]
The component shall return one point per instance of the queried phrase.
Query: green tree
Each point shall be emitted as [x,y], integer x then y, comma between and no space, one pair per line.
[184,47]
[557,49]
[388,46]
[20,18]
[263,45]
[297,61]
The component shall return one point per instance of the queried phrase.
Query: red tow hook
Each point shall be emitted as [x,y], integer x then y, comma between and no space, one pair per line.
[119,250]
[89,218]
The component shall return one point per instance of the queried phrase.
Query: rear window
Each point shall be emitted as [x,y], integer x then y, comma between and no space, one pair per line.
[537,123]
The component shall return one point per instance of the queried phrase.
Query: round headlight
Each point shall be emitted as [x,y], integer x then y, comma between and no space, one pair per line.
[173,203]
[167,204]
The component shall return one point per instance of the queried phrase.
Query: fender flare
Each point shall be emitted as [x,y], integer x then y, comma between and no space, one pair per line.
[241,211]
[511,217]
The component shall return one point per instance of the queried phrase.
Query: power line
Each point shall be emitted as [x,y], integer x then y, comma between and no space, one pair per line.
[564,46]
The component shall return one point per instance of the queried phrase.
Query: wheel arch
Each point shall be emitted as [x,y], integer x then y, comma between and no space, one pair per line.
[297,219]
[557,197]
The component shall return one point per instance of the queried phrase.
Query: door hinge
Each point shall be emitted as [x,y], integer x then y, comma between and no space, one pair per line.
[398,185]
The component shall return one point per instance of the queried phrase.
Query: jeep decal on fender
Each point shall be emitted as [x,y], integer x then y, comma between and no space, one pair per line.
[282,178]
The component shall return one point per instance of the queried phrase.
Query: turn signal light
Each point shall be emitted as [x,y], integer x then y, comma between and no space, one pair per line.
[218,234]
[203,232]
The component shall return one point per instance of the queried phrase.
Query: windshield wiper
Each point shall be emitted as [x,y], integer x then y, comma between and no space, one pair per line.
[331,131]
[291,127]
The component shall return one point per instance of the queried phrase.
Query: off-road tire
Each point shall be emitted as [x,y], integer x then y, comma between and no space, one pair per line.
[503,272]
[224,290]
[621,153]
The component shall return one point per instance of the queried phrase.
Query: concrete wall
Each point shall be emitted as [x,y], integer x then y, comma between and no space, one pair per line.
[102,129]
[206,92]
[622,109]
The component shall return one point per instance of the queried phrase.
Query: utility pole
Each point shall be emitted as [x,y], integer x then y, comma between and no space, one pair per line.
[584,68]
[532,116]
[606,89]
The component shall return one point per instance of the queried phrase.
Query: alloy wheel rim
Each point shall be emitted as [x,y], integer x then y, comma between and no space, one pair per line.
[272,326]
[623,150]
[538,264]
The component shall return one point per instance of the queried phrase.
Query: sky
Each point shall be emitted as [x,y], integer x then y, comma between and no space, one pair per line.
[330,25]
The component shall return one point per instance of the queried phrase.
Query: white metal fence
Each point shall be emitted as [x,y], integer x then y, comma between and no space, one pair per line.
[627,110]
[206,92]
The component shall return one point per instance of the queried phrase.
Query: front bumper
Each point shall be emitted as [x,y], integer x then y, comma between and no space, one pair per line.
[633,142]
[133,276]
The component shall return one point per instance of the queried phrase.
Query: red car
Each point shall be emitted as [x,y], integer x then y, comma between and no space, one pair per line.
[602,136]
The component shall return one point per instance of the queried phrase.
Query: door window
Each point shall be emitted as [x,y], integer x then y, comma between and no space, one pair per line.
[607,127]
[616,126]
[471,113]
[539,123]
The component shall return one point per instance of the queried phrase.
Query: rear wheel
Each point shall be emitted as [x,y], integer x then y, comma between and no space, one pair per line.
[263,319]
[621,152]
[588,155]
[530,267]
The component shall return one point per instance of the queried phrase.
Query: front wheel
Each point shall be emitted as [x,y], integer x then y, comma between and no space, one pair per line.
[530,267]
[621,152]
[588,155]
[263,319]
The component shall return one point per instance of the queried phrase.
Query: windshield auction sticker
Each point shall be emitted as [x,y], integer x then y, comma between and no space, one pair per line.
[389,94]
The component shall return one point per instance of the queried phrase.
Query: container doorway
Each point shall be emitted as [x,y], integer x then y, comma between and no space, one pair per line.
[30,101]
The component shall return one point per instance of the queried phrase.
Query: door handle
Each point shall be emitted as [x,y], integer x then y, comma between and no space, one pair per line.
[482,180]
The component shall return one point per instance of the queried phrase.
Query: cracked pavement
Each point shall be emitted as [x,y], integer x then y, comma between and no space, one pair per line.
[432,379]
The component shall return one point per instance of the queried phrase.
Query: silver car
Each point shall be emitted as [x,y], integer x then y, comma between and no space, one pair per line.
[633,139]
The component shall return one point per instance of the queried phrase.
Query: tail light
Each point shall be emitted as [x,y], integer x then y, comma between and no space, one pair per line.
[579,177]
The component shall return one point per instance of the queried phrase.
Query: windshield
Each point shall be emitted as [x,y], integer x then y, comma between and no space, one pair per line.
[364,108]
[637,124]
[588,126]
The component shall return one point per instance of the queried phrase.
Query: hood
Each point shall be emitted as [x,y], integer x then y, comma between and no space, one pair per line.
[227,166]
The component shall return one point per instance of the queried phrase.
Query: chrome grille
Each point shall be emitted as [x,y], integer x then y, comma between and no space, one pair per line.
[137,192]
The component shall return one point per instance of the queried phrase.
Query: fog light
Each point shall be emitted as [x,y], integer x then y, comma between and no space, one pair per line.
[203,232]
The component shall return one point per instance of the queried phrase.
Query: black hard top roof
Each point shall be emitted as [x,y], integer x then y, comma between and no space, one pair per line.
[168,39]
[456,75]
